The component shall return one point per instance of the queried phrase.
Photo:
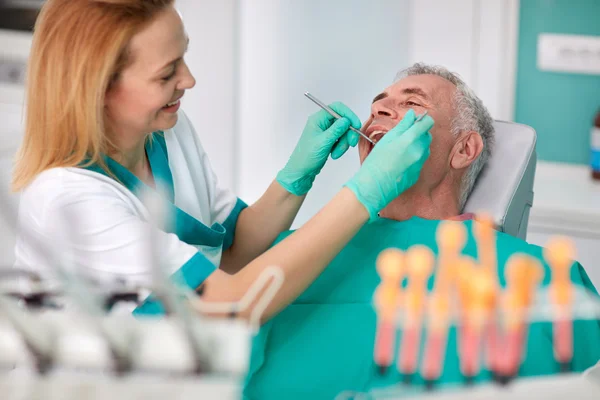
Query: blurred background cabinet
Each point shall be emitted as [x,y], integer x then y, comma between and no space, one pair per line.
[14,50]
[567,202]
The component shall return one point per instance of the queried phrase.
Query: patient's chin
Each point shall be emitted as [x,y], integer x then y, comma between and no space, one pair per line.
[362,156]
[364,149]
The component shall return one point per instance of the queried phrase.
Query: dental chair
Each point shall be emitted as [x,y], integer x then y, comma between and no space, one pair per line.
[504,188]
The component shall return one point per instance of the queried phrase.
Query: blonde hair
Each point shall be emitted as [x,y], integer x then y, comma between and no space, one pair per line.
[79,48]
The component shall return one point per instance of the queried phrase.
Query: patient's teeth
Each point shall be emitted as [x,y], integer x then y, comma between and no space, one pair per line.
[375,133]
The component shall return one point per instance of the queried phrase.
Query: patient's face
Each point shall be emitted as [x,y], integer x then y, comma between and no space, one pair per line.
[422,93]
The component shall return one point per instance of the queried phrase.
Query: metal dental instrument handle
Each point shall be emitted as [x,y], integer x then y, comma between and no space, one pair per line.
[335,115]
[420,117]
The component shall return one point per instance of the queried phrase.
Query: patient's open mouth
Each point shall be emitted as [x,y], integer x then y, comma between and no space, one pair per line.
[375,131]
[377,135]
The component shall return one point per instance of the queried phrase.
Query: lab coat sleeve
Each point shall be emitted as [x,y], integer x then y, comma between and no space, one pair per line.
[107,241]
[225,206]
[191,274]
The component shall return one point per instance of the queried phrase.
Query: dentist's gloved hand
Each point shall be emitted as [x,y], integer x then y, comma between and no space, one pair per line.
[393,165]
[322,135]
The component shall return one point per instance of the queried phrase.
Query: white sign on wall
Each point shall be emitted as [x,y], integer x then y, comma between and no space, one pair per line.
[569,53]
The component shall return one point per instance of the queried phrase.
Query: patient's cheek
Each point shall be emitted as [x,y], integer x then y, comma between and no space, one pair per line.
[363,149]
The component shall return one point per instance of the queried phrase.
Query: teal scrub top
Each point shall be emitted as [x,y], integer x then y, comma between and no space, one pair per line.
[187,228]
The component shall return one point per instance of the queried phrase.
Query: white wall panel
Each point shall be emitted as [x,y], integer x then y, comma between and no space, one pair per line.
[212,59]
[338,50]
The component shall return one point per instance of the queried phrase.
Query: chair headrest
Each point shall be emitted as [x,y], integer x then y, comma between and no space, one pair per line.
[504,188]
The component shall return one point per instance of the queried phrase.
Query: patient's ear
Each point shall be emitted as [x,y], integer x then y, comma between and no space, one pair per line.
[466,150]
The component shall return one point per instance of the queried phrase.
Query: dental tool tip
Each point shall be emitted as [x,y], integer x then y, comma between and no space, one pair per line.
[420,117]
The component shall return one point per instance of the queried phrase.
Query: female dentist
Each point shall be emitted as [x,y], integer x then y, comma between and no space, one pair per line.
[103,125]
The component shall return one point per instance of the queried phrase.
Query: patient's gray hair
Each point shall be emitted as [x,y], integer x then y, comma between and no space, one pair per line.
[471,115]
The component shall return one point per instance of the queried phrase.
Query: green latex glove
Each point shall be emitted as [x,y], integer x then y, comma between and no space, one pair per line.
[393,165]
[322,135]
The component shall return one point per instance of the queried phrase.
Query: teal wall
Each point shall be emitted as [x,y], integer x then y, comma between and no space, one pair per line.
[560,106]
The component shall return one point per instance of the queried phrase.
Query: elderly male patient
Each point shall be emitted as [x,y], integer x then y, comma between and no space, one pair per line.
[322,344]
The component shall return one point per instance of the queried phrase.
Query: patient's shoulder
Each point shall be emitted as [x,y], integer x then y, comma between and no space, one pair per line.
[510,242]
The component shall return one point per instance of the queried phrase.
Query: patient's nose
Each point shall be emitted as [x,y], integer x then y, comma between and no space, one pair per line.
[382,108]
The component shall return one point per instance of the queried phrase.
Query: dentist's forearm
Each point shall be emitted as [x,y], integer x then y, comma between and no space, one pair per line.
[259,225]
[302,256]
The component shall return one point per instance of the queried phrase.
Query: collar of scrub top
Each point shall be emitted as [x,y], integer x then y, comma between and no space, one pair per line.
[186,227]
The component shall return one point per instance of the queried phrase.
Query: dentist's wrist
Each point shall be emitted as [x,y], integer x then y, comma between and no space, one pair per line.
[296,184]
[371,204]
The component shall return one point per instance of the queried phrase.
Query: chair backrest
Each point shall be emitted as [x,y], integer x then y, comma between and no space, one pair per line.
[504,189]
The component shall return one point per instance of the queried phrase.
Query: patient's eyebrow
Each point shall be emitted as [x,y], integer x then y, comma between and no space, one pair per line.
[418,91]
[380,96]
